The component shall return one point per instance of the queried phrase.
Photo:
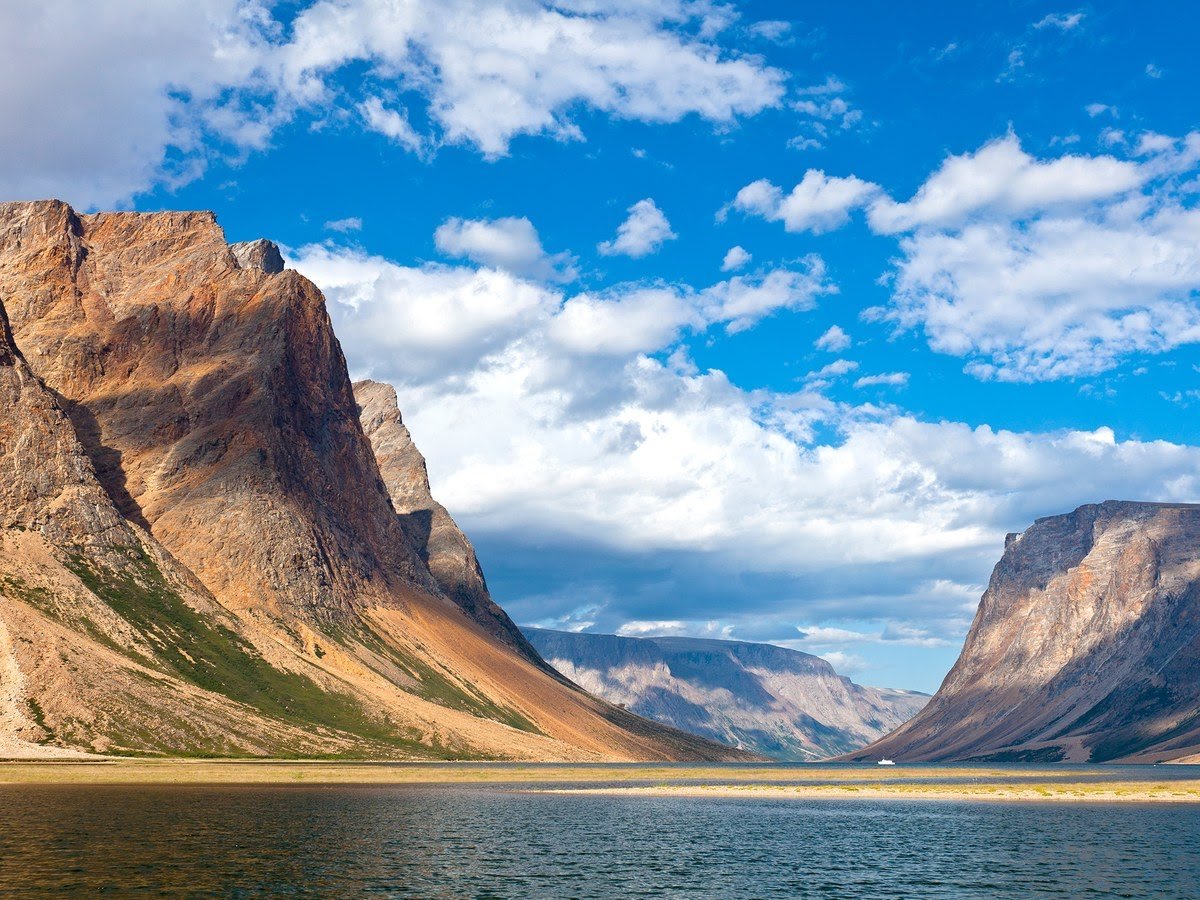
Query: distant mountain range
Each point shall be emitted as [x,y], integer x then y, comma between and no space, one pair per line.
[1085,647]
[767,699]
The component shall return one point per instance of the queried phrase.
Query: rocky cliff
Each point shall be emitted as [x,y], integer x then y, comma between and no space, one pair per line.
[1085,647]
[770,700]
[439,541]
[193,511]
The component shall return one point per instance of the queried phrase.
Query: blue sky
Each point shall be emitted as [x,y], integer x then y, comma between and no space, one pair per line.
[965,296]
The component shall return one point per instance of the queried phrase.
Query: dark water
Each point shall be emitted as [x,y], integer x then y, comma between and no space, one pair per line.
[451,841]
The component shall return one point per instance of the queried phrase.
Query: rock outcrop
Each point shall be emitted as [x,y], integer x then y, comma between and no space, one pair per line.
[1085,647]
[771,700]
[439,541]
[215,512]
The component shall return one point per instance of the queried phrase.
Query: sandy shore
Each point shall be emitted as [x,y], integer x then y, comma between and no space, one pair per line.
[177,771]
[1053,792]
[1040,784]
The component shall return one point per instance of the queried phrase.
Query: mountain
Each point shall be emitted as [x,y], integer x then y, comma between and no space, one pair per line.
[440,543]
[200,554]
[1085,647]
[770,700]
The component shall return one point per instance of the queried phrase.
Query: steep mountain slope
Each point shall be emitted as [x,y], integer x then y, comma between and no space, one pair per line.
[205,387]
[439,541]
[1086,646]
[770,700]
[105,642]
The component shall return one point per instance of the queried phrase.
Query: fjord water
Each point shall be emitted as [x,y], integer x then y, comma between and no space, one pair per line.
[492,841]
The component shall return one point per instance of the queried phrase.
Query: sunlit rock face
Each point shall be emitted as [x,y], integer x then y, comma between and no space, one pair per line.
[778,702]
[1086,646]
[198,551]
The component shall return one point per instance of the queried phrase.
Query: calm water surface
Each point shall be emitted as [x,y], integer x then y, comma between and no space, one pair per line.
[485,841]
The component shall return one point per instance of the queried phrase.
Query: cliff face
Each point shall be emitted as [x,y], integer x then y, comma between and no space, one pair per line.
[1086,646]
[770,700]
[207,445]
[430,529]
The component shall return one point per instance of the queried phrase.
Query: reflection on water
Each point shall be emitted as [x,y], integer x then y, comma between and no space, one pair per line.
[453,841]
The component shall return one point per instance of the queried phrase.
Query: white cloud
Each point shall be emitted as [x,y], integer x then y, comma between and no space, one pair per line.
[642,233]
[632,319]
[344,226]
[775,30]
[892,633]
[1057,297]
[653,629]
[105,90]
[639,458]
[507,243]
[846,663]
[1014,64]
[491,71]
[1096,109]
[736,258]
[1061,21]
[888,379]
[818,203]
[423,323]
[825,103]
[828,373]
[171,83]
[1032,269]
[392,124]
[834,339]
[1001,178]
[639,321]
[1153,71]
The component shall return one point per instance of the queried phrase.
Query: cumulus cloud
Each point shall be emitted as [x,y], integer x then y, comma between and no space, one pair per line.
[887,379]
[142,79]
[1031,269]
[421,324]
[1002,179]
[507,243]
[818,203]
[642,233]
[1055,277]
[737,257]
[393,124]
[834,339]
[800,508]
[344,226]
[828,373]
[169,81]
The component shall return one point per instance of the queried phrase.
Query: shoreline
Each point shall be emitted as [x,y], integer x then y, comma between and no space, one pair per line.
[1181,792]
[781,782]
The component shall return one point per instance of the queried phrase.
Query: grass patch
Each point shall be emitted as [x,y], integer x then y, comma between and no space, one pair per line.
[438,688]
[200,650]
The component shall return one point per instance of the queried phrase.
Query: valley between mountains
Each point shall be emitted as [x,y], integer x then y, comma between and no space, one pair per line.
[213,544]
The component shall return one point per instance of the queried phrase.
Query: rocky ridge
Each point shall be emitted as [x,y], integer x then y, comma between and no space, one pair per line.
[767,699]
[1085,647]
[199,552]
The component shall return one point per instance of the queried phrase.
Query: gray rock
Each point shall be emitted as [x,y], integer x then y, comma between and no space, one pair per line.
[261,254]
[763,698]
[1085,647]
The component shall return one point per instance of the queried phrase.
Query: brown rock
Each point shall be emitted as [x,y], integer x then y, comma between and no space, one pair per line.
[1086,646]
[439,541]
[210,398]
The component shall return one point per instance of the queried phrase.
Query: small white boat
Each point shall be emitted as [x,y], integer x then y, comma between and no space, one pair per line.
[886,762]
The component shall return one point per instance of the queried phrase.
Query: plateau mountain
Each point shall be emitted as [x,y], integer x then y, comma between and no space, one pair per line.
[767,699]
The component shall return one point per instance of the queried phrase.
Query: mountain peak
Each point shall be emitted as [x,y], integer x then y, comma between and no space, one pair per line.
[1085,646]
